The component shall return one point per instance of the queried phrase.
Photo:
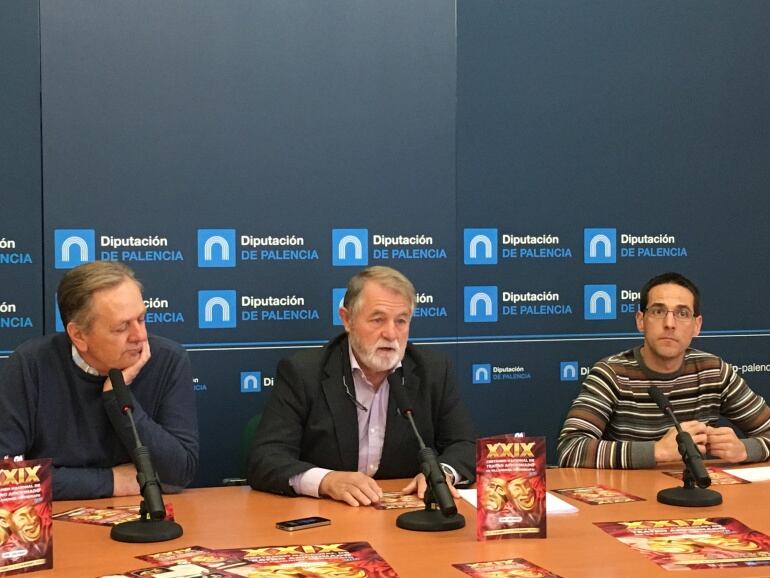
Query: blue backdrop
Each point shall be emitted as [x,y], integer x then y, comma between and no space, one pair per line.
[529,165]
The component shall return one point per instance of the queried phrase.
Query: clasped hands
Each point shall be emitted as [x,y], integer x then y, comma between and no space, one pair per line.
[357,489]
[719,442]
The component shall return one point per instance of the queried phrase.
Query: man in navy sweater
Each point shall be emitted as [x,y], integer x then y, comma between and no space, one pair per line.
[57,402]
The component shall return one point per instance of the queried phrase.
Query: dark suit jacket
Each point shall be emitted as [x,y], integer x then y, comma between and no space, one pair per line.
[309,420]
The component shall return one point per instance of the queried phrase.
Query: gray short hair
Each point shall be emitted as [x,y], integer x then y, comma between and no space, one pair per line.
[78,285]
[385,276]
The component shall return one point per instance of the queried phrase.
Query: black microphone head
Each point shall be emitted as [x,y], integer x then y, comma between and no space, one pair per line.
[658,397]
[120,389]
[398,391]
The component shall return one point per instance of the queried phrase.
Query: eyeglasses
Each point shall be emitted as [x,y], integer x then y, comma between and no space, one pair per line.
[357,403]
[681,314]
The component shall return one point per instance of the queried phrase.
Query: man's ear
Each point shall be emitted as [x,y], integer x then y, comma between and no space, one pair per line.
[640,321]
[75,334]
[346,318]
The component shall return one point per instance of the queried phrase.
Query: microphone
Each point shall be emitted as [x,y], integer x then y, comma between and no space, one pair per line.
[434,475]
[149,485]
[694,470]
[690,454]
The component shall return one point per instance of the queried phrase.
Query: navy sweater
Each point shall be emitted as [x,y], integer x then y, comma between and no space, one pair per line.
[50,408]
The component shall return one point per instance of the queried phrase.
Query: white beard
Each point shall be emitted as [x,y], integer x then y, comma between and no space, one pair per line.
[376,360]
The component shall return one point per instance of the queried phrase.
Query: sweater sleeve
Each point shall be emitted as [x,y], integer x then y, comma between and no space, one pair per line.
[171,432]
[749,412]
[18,400]
[580,442]
[19,394]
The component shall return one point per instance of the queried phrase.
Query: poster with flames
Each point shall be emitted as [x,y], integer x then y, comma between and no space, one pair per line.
[341,560]
[511,568]
[693,543]
[26,542]
[510,485]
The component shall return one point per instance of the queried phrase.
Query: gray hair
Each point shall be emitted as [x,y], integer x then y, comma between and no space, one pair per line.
[78,285]
[385,276]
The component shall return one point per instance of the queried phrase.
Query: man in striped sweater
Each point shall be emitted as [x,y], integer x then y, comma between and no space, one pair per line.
[614,423]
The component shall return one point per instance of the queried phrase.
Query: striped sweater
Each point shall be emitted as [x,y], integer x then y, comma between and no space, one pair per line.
[613,423]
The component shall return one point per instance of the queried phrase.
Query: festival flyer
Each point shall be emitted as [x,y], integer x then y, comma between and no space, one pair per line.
[398,500]
[26,541]
[180,570]
[693,543]
[500,568]
[108,516]
[197,555]
[598,495]
[718,476]
[510,486]
[350,559]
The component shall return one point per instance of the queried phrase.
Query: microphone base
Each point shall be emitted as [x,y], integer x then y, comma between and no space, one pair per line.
[689,497]
[146,530]
[430,521]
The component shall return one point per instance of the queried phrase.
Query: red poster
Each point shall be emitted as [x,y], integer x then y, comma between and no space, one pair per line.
[342,560]
[510,487]
[513,568]
[109,516]
[597,495]
[26,542]
[718,476]
[398,501]
[693,543]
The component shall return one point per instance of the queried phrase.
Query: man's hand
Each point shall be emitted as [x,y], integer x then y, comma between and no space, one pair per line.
[420,485]
[130,372]
[353,488]
[667,450]
[124,480]
[724,444]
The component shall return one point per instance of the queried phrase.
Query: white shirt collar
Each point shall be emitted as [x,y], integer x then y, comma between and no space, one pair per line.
[81,363]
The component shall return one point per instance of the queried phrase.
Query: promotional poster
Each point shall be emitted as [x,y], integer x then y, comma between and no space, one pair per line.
[180,570]
[341,560]
[513,568]
[398,501]
[510,474]
[196,555]
[598,495]
[108,516]
[693,543]
[718,476]
[26,542]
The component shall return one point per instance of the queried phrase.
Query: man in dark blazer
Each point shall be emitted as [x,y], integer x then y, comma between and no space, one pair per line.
[331,426]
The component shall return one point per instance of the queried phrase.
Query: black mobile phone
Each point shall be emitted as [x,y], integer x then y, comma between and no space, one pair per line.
[302,523]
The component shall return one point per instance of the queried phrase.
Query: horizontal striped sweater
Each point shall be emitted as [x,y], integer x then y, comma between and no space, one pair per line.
[614,423]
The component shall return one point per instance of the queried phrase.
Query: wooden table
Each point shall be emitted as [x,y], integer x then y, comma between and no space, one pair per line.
[239,517]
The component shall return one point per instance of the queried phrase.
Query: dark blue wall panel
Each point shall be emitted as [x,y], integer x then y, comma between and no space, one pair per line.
[21,274]
[641,118]
[223,149]
[275,122]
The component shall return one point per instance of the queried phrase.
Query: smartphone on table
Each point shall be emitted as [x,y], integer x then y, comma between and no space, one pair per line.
[302,523]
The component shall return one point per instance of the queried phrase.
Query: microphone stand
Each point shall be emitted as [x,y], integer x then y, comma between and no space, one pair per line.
[434,518]
[689,495]
[152,525]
